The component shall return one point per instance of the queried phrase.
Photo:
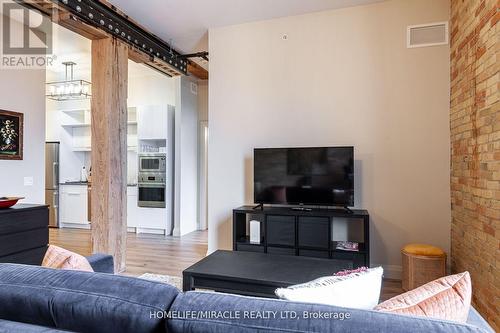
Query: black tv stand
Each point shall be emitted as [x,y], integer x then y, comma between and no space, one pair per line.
[303,209]
[261,206]
[303,232]
[348,210]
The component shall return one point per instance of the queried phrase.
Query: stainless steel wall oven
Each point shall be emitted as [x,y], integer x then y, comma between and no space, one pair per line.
[152,181]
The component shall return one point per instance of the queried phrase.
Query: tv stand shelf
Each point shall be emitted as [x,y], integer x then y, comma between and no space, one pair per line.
[308,233]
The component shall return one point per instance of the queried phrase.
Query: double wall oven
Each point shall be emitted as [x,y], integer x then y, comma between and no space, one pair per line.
[152,180]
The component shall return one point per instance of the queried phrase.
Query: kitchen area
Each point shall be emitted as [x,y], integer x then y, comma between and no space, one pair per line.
[149,173]
[154,127]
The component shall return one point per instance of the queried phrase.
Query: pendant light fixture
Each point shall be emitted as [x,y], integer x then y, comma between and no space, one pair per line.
[69,89]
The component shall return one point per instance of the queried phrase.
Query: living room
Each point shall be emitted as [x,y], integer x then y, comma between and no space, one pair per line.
[397,98]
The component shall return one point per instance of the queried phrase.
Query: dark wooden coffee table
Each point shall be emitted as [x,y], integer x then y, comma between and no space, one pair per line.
[256,274]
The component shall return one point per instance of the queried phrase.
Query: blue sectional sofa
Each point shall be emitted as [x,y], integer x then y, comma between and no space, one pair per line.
[37,299]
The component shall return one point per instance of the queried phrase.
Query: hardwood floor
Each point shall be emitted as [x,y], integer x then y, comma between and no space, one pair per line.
[165,255]
[390,288]
[146,253]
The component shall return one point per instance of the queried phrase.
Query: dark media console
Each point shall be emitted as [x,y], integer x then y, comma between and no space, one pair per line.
[307,233]
[303,208]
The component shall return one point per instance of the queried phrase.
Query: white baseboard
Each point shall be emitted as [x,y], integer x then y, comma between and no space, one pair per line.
[150,231]
[75,226]
[136,230]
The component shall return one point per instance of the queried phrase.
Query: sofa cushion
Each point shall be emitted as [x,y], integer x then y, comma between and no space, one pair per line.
[7,326]
[82,301]
[204,312]
[445,298]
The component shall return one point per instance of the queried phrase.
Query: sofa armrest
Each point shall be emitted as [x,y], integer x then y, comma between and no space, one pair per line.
[477,320]
[102,263]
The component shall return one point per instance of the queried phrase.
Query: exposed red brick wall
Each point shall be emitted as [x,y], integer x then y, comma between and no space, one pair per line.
[475,155]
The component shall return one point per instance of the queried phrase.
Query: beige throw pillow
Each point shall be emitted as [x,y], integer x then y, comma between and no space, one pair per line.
[446,298]
[59,258]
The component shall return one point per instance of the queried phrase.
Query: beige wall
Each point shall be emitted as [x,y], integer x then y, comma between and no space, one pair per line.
[186,157]
[23,90]
[342,77]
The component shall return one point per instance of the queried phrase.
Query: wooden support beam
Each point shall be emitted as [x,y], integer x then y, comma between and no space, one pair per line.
[109,148]
[137,56]
[65,19]
[196,70]
[72,23]
[62,16]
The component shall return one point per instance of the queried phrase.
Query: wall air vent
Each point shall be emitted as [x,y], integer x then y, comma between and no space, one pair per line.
[429,34]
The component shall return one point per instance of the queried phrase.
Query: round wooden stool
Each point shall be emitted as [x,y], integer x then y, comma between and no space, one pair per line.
[421,264]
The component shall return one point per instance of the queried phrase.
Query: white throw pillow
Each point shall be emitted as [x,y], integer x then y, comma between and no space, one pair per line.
[360,290]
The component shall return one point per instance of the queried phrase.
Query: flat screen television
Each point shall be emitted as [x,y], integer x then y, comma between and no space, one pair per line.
[321,176]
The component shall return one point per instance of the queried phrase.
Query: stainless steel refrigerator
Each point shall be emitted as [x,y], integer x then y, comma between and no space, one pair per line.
[52,182]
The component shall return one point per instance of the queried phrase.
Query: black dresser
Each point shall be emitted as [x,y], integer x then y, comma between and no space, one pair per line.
[24,234]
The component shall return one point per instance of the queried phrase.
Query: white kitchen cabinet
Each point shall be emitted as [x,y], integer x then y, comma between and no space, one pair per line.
[152,122]
[132,212]
[145,219]
[73,206]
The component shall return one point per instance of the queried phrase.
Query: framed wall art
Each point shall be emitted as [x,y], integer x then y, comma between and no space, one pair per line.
[11,135]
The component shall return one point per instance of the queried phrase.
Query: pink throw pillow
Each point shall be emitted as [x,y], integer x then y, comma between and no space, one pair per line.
[59,258]
[446,298]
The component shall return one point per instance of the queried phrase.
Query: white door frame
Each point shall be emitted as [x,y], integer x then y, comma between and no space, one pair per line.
[203,176]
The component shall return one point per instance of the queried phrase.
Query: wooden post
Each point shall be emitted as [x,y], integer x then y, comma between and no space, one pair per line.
[109,149]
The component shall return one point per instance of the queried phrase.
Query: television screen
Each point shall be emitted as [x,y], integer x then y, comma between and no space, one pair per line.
[309,176]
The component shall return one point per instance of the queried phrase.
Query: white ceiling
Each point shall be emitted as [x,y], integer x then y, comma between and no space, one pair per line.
[185,22]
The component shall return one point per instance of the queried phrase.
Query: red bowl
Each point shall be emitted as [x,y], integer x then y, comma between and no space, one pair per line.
[8,202]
